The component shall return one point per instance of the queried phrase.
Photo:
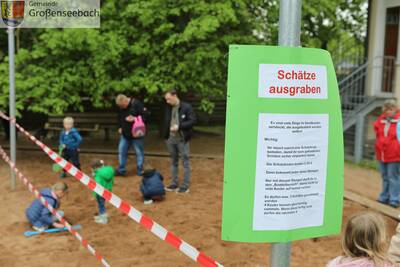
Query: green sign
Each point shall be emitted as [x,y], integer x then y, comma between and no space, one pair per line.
[283,170]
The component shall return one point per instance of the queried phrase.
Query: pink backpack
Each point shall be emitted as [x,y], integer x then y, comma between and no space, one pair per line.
[138,127]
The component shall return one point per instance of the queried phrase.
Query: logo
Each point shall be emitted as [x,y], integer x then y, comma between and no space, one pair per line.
[12,12]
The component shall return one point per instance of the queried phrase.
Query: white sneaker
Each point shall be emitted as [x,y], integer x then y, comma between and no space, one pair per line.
[101,219]
[104,215]
[39,229]
[148,202]
[96,217]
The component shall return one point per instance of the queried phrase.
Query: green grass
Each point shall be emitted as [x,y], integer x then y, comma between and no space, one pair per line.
[366,164]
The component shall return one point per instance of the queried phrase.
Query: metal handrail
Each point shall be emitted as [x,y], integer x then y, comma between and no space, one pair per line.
[363,66]
[348,77]
[352,87]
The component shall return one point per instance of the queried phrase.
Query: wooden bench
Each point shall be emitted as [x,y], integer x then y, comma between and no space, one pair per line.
[85,122]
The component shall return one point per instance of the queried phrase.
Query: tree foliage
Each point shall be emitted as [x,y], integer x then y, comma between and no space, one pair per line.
[326,20]
[146,47]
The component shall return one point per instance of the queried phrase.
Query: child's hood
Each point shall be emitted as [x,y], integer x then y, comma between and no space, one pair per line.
[47,193]
[148,173]
[73,130]
[106,173]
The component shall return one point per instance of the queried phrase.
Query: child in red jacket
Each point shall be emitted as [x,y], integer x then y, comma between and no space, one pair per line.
[387,149]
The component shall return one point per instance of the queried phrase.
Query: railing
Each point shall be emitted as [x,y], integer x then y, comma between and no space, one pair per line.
[352,87]
[352,91]
[356,103]
[348,57]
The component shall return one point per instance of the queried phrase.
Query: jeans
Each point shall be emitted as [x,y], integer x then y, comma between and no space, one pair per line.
[73,156]
[123,147]
[390,182]
[176,148]
[101,202]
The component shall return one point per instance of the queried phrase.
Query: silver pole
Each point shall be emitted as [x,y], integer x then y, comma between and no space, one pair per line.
[289,22]
[289,35]
[280,255]
[11,51]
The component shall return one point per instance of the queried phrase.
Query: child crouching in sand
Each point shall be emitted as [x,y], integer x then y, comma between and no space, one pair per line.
[39,216]
[152,186]
[363,243]
[103,175]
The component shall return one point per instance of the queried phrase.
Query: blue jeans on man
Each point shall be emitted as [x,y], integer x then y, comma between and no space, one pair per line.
[390,183]
[123,148]
[178,147]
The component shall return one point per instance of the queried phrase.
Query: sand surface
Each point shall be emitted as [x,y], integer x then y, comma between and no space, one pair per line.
[195,217]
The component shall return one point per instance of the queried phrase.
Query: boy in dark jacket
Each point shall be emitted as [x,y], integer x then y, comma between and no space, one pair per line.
[103,175]
[152,186]
[70,140]
[38,215]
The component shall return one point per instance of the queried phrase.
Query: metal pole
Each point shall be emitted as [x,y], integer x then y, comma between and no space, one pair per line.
[11,51]
[280,255]
[289,22]
[359,139]
[289,35]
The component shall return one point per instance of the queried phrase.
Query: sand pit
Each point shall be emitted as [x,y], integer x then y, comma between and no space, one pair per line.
[195,217]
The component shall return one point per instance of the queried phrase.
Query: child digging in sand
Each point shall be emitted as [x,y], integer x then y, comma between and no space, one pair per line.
[152,186]
[103,175]
[363,243]
[39,216]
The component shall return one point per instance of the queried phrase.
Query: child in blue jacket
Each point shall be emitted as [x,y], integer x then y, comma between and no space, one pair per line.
[70,140]
[38,215]
[152,186]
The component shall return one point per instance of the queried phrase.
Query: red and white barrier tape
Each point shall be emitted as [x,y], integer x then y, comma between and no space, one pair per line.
[123,205]
[37,194]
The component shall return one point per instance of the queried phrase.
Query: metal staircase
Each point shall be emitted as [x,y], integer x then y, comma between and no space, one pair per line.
[356,104]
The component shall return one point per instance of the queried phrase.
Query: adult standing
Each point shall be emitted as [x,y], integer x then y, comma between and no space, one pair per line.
[179,121]
[129,108]
[387,148]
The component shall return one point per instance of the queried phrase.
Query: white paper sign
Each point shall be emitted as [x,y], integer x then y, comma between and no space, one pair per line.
[291,171]
[292,81]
